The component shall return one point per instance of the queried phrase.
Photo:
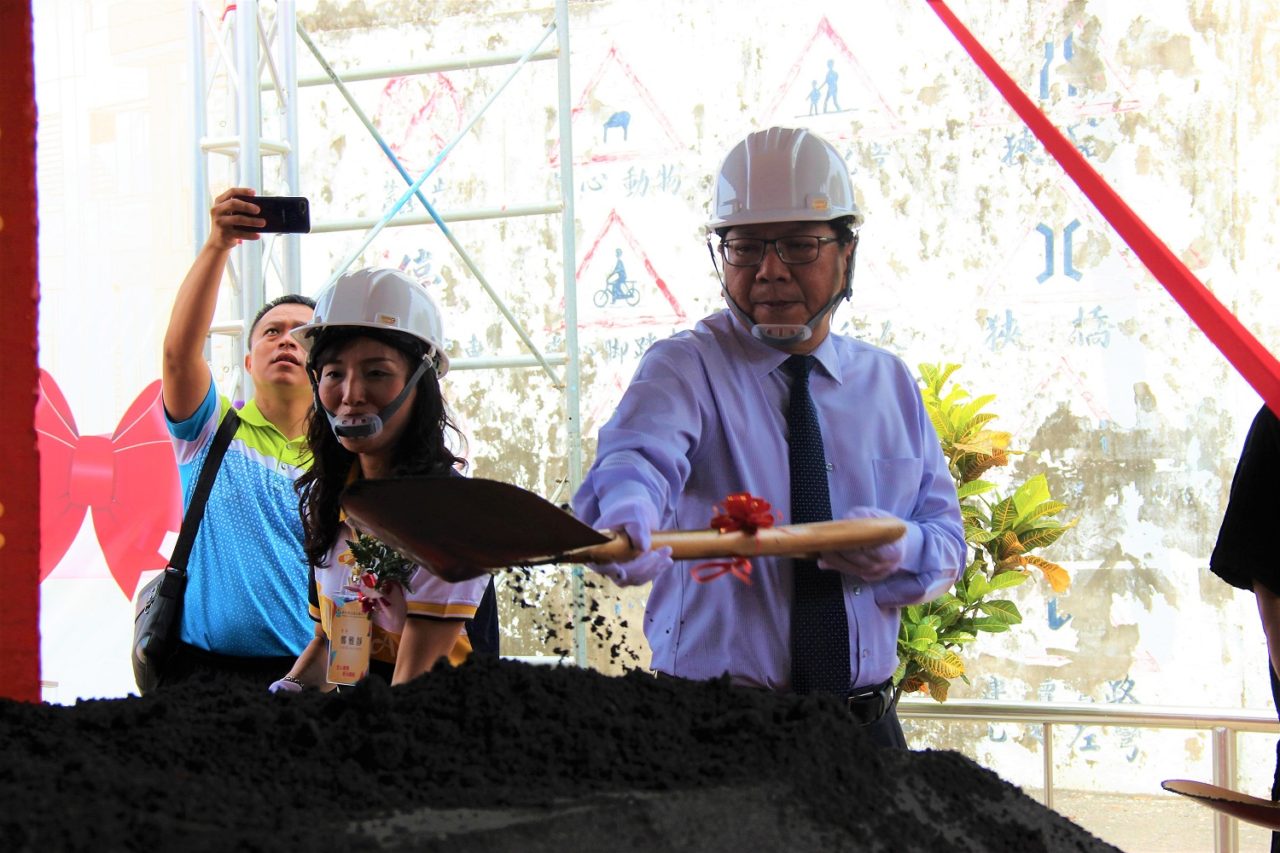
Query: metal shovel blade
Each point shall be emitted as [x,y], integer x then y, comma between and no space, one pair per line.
[461,527]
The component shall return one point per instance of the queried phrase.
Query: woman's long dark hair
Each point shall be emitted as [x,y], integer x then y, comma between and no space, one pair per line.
[422,448]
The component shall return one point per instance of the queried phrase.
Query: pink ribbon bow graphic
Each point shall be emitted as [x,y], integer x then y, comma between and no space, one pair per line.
[128,479]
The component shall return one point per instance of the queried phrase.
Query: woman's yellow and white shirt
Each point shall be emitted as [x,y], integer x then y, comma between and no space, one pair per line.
[430,598]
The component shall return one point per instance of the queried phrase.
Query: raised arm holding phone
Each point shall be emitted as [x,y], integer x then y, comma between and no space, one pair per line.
[244,611]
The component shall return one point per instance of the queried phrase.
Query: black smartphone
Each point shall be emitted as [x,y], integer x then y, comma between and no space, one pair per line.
[285,214]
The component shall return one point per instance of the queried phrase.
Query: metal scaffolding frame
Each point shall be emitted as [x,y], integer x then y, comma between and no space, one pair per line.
[265,53]
[246,53]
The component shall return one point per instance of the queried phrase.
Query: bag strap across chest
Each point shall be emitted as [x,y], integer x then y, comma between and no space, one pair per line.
[208,473]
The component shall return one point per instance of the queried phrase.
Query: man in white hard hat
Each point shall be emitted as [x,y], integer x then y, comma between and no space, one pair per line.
[762,398]
[244,612]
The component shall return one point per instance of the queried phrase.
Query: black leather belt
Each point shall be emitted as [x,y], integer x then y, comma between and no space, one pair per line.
[868,704]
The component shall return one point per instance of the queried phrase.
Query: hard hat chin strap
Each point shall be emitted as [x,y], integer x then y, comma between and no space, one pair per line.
[367,426]
[782,335]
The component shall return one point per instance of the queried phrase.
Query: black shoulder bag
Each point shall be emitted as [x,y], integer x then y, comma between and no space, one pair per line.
[159,613]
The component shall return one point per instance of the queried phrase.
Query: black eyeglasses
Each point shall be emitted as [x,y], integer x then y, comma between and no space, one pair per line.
[749,251]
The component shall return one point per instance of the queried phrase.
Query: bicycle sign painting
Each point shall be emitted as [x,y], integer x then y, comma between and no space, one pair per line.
[620,291]
[617,287]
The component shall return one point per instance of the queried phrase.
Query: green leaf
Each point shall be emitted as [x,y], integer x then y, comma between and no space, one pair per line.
[978,536]
[959,638]
[962,583]
[922,632]
[936,375]
[1006,580]
[965,416]
[1043,536]
[946,610]
[977,589]
[1003,611]
[943,601]
[953,398]
[940,426]
[1004,514]
[1046,508]
[980,421]
[943,663]
[385,563]
[974,487]
[1031,494]
[992,626]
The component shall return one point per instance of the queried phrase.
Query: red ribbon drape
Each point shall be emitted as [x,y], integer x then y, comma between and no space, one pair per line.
[128,479]
[1258,366]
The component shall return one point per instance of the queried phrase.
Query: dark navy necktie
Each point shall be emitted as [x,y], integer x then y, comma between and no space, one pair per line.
[819,627]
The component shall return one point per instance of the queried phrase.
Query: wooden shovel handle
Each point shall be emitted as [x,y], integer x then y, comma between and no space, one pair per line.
[791,540]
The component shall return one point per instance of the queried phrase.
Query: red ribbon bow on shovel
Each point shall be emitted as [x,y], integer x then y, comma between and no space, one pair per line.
[740,511]
[128,479]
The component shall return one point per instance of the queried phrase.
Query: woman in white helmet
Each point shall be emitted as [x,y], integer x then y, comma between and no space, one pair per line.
[375,355]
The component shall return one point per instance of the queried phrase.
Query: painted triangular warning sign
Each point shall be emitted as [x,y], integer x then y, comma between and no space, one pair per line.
[616,118]
[826,79]
[618,285]
[418,116]
[1054,74]
[1047,255]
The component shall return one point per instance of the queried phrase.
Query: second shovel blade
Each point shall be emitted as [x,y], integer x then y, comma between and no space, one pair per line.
[461,527]
[1255,810]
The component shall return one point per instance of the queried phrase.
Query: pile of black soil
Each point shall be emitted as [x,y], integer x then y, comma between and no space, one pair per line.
[493,755]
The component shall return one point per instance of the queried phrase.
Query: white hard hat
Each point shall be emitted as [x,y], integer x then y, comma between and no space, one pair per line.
[782,174]
[383,299]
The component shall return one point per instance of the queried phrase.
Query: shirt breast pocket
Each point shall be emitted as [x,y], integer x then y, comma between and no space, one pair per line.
[897,484]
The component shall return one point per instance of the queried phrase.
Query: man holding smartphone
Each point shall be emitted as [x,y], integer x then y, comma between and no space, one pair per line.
[244,614]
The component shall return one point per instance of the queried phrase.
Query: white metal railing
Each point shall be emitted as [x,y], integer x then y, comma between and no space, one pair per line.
[1224,726]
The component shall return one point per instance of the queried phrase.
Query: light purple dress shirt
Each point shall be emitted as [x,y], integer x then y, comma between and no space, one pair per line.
[705,417]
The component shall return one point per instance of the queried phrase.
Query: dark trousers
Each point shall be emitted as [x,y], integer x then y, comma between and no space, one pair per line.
[886,732]
[1275,784]
[190,664]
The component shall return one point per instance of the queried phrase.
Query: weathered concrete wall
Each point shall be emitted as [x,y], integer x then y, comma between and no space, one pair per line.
[977,250]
